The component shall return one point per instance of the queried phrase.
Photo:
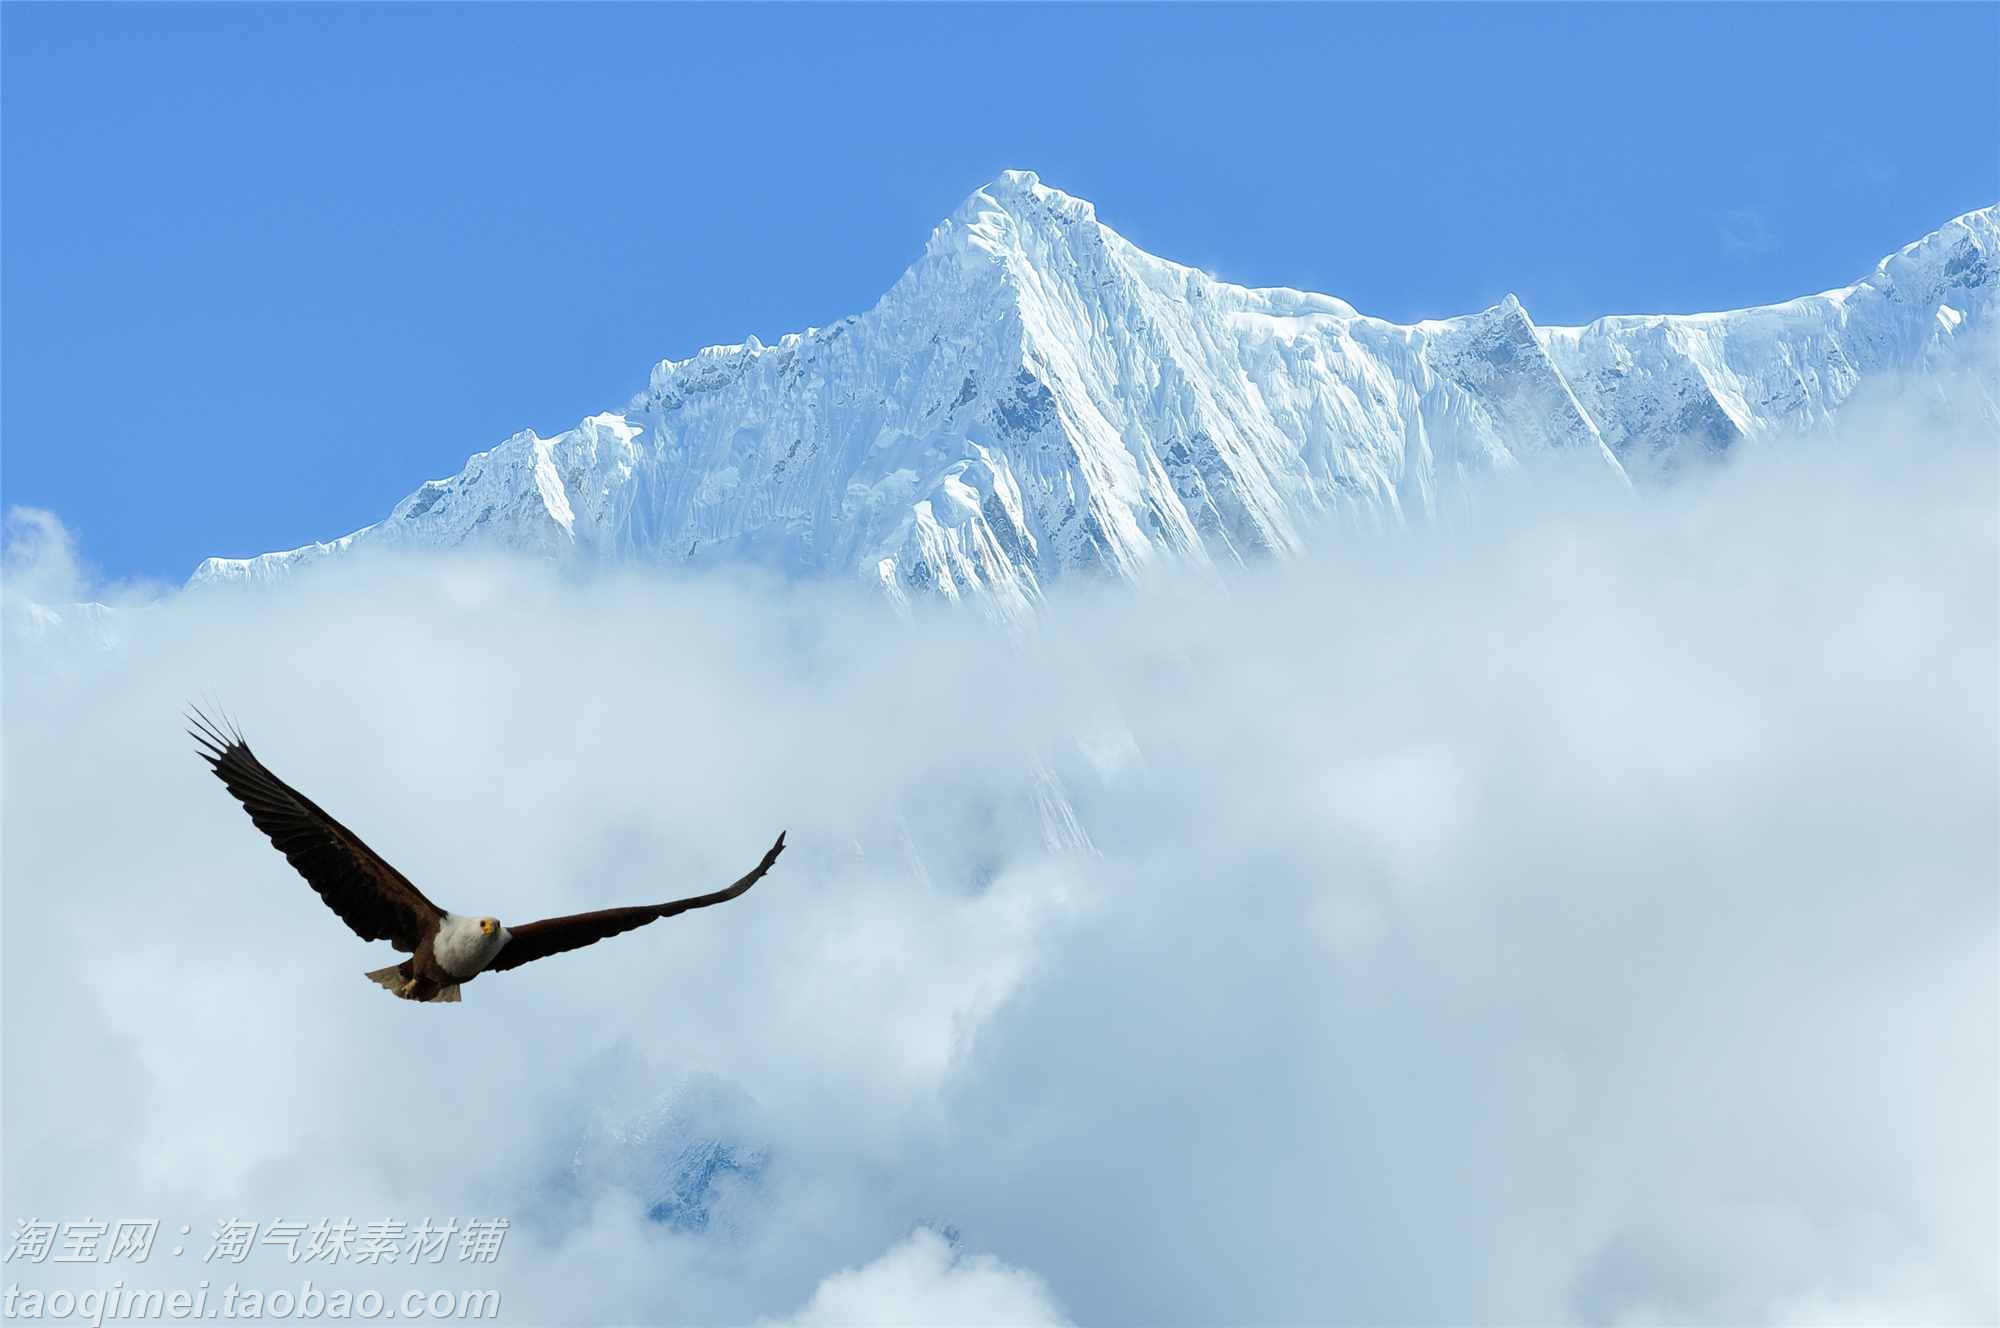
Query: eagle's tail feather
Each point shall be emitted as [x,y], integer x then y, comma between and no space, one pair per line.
[398,982]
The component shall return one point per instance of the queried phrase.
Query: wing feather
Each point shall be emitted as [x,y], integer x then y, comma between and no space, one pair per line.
[538,940]
[374,899]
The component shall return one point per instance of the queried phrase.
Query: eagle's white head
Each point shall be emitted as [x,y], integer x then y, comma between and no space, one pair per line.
[466,945]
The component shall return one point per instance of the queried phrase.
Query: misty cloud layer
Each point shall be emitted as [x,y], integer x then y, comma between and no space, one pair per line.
[1580,911]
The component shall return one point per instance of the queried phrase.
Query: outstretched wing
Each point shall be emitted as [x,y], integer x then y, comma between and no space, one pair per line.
[539,940]
[374,899]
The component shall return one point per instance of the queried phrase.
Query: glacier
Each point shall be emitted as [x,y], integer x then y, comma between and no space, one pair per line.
[1036,398]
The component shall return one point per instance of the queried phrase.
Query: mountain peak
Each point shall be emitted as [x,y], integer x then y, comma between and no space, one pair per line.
[1959,256]
[1022,197]
[1011,181]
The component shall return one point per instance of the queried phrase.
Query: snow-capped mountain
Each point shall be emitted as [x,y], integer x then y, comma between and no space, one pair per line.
[1037,397]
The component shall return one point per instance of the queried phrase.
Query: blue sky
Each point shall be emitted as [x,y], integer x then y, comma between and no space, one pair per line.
[267,268]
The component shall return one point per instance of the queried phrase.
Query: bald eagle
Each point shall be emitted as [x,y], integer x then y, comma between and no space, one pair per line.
[379,903]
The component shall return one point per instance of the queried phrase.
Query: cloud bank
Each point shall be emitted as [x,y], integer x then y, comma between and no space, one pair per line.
[1582,911]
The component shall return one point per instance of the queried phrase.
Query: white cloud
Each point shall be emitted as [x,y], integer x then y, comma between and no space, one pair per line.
[40,560]
[1583,911]
[926,1281]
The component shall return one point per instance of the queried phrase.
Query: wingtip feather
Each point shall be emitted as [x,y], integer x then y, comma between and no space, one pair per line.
[219,736]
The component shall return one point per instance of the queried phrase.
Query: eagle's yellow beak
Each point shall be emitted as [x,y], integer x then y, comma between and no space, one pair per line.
[487,926]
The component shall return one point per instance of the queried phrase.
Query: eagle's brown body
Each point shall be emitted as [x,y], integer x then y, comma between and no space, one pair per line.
[379,903]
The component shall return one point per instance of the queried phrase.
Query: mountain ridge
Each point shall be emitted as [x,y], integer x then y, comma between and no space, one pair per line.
[1036,397]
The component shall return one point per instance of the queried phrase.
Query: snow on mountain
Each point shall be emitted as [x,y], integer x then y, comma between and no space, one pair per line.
[24,620]
[1037,397]
[1659,386]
